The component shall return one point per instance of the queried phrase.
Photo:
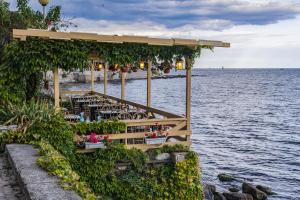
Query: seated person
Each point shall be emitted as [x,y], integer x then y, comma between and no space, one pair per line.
[47,91]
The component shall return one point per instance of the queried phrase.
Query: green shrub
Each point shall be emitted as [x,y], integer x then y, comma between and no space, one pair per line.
[102,127]
[51,160]
[139,180]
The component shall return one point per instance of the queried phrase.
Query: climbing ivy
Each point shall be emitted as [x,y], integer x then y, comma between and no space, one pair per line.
[21,82]
[51,160]
[102,127]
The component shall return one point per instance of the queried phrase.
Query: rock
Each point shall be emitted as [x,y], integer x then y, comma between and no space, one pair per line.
[163,156]
[225,177]
[209,191]
[178,156]
[265,189]
[256,193]
[237,196]
[219,196]
[234,189]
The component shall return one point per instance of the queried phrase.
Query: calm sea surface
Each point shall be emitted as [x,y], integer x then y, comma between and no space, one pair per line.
[245,122]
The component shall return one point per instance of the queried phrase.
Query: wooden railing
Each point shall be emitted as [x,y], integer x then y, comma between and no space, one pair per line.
[136,130]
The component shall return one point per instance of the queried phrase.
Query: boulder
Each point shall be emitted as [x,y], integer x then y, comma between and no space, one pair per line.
[178,156]
[265,189]
[234,189]
[256,193]
[237,196]
[209,191]
[219,196]
[225,177]
[163,156]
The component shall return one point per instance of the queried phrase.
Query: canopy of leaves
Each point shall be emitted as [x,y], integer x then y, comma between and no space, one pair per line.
[16,82]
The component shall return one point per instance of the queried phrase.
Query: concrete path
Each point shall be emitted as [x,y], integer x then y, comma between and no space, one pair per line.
[9,187]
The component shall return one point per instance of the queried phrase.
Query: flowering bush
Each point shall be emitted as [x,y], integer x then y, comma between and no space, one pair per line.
[156,134]
[93,138]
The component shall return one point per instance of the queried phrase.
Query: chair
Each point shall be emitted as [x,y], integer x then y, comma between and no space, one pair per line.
[124,116]
[140,115]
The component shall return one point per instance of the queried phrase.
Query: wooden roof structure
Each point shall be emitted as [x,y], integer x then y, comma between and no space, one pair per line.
[22,34]
[181,125]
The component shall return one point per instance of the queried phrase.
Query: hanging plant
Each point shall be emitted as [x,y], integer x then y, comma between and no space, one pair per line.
[166,67]
[113,67]
[134,68]
[125,68]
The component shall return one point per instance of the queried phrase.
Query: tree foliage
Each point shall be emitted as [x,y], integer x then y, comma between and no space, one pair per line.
[17,82]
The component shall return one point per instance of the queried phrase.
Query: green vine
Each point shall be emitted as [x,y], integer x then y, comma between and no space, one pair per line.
[51,160]
[102,127]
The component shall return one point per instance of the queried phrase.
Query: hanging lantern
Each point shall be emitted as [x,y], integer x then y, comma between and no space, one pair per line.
[142,65]
[100,66]
[179,64]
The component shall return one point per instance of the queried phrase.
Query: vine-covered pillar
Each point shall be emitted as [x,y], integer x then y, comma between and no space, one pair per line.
[149,74]
[188,92]
[92,77]
[105,78]
[123,85]
[56,87]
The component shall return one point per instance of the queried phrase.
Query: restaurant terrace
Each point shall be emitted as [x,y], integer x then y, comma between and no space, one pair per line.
[146,127]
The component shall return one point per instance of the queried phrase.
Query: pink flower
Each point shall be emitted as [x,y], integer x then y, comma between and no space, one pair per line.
[93,138]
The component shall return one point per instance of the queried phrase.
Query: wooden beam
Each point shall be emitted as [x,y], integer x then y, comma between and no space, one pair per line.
[79,92]
[145,147]
[149,75]
[213,43]
[92,77]
[188,92]
[105,78]
[142,135]
[150,109]
[123,75]
[22,34]
[148,122]
[56,87]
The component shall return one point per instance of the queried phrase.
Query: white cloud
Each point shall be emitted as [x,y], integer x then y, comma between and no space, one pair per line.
[275,45]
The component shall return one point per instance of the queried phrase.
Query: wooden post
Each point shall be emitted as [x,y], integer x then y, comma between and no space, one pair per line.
[56,87]
[188,92]
[105,78]
[123,75]
[149,75]
[92,76]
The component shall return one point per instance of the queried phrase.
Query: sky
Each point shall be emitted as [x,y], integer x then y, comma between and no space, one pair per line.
[262,33]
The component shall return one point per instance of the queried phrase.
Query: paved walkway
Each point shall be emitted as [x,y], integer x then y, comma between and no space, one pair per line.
[9,188]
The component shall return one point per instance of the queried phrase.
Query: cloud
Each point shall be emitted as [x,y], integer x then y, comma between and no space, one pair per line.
[273,45]
[177,13]
[263,33]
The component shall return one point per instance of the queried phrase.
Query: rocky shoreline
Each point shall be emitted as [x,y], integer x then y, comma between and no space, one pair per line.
[247,191]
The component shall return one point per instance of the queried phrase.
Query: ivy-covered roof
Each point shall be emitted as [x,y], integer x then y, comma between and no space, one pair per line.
[44,50]
[22,34]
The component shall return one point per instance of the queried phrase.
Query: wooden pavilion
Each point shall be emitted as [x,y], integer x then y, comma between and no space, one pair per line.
[178,125]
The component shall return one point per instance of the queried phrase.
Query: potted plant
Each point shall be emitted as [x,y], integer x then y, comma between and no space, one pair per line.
[125,69]
[113,67]
[156,137]
[166,67]
[134,69]
[96,142]
[167,70]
